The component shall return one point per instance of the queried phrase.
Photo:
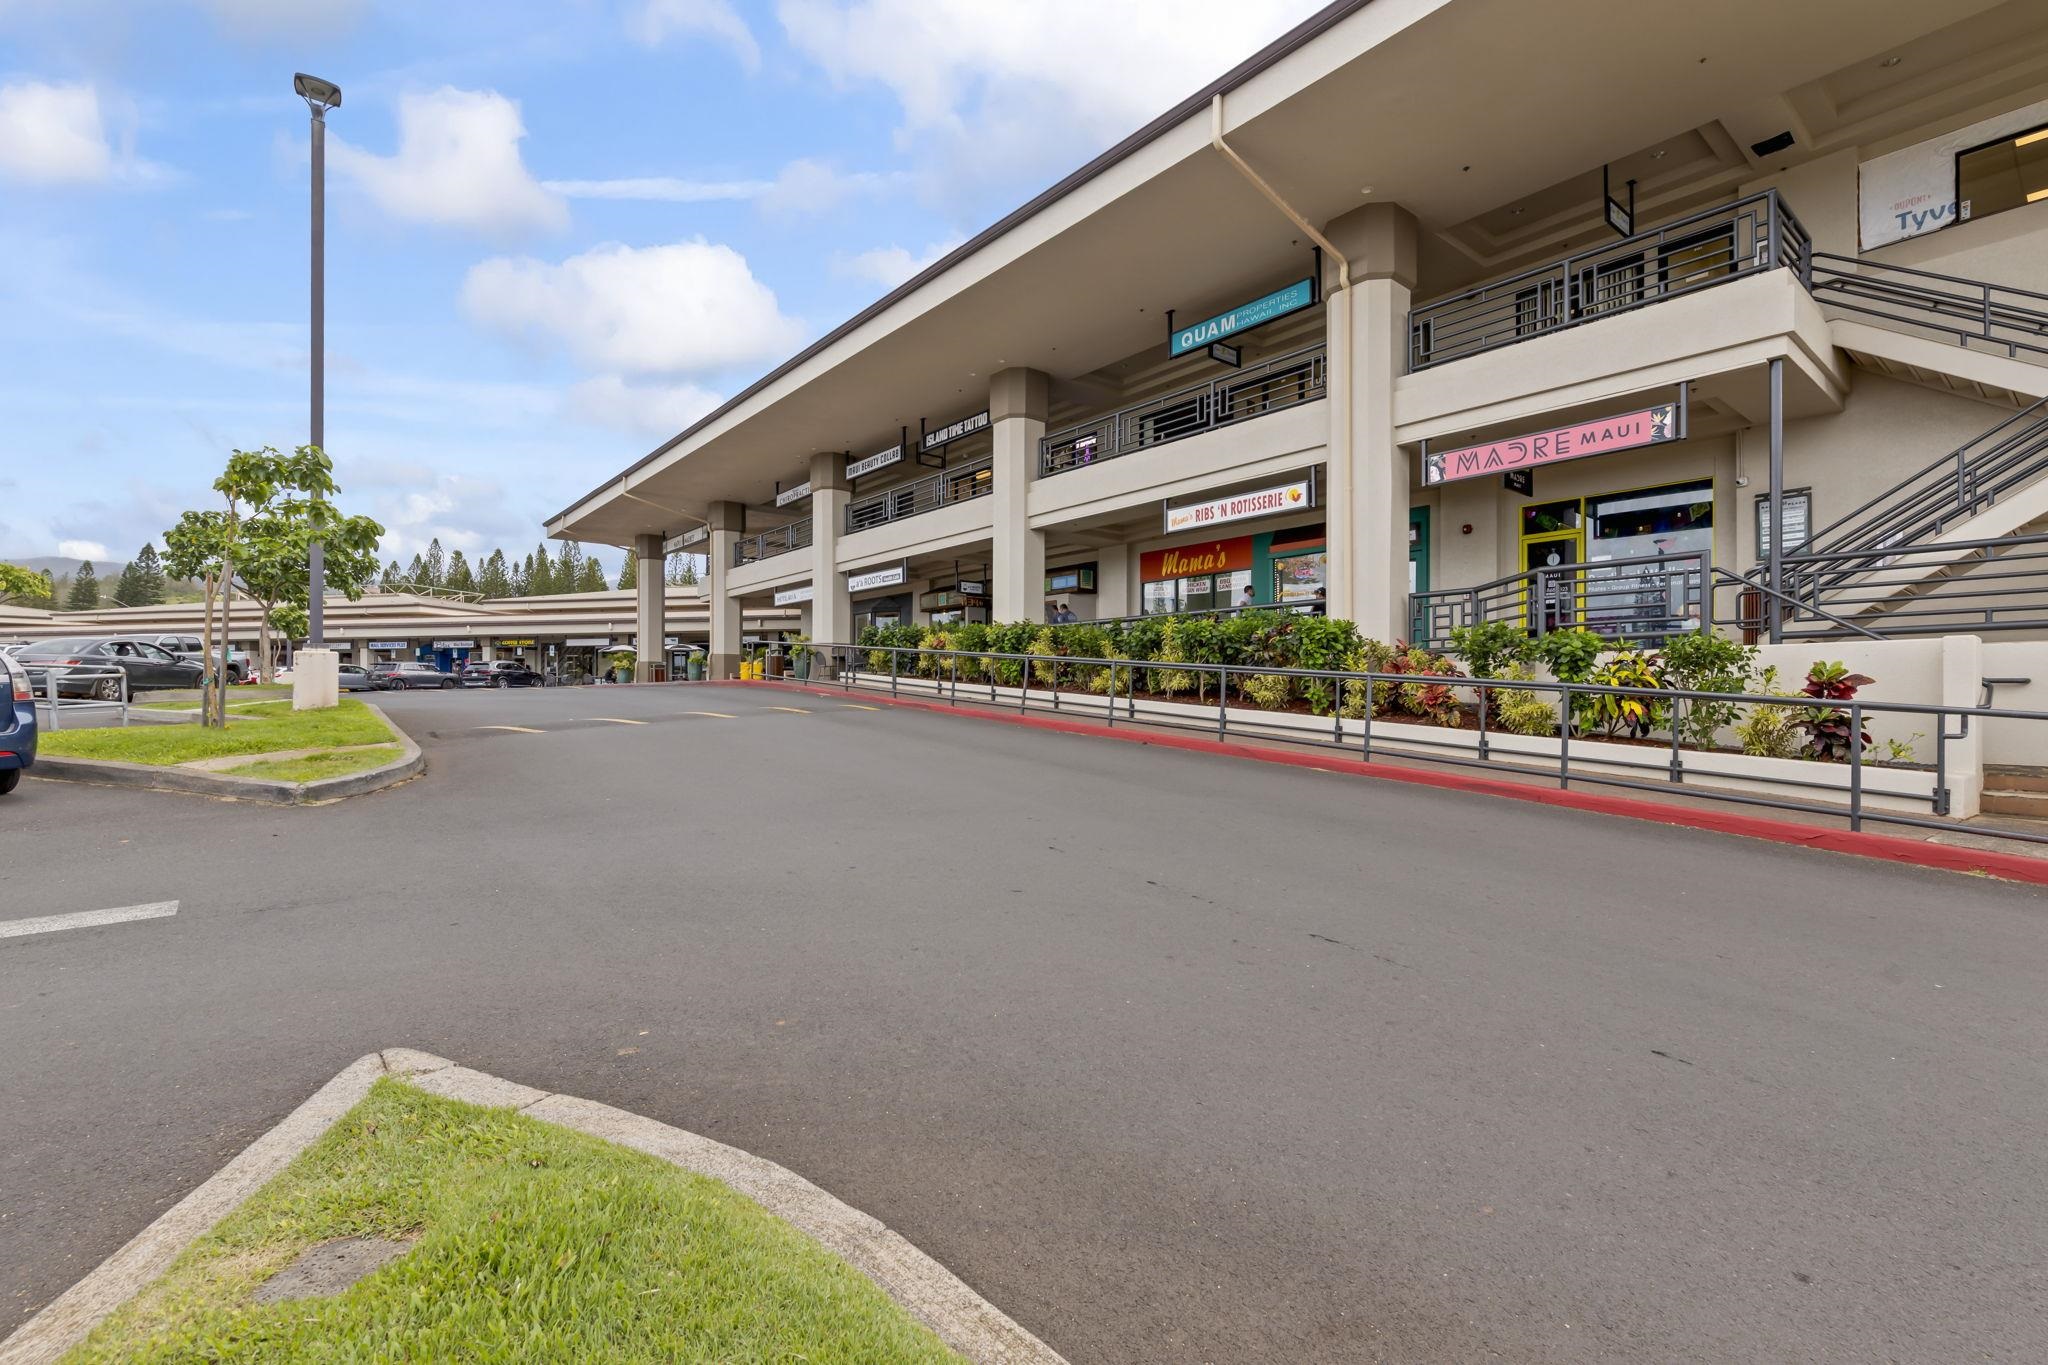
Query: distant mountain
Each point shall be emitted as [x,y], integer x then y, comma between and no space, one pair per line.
[56,566]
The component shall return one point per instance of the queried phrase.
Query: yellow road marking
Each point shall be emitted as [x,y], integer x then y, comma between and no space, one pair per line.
[720,715]
[517,729]
[856,706]
[621,720]
[793,710]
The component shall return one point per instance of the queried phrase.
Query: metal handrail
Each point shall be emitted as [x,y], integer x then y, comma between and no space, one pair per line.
[844,662]
[1642,597]
[1283,381]
[781,540]
[1711,247]
[1747,583]
[1917,589]
[57,703]
[2013,320]
[1960,484]
[963,483]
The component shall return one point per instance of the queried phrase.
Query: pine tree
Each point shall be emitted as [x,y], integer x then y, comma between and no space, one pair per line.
[142,582]
[569,568]
[435,568]
[689,571]
[124,586]
[629,572]
[392,576]
[540,579]
[416,574]
[459,576]
[590,578]
[85,590]
[492,580]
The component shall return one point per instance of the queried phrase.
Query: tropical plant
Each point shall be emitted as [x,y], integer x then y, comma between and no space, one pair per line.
[1328,643]
[1769,731]
[1829,734]
[1702,661]
[25,584]
[1570,654]
[1431,699]
[1620,713]
[1491,649]
[1522,710]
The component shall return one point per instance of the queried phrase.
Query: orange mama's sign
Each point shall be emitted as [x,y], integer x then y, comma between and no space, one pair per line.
[1209,556]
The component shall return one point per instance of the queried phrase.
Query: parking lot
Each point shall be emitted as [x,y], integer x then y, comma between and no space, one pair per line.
[1171,1056]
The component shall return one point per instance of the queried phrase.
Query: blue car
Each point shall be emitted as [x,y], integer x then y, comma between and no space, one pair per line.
[17,724]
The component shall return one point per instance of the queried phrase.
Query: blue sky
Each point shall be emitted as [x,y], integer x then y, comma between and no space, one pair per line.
[558,230]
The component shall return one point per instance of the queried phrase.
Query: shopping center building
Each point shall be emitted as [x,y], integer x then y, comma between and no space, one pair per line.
[1439,311]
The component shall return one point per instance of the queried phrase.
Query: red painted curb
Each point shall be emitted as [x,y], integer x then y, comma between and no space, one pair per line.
[2016,867]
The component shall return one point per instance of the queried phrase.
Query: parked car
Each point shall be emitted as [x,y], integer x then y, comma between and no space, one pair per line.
[406,674]
[240,667]
[356,678]
[17,724]
[83,667]
[499,673]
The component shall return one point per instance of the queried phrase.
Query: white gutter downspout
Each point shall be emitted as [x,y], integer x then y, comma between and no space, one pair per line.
[1258,183]
[1336,377]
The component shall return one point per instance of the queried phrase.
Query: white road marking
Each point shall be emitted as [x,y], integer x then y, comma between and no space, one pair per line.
[621,720]
[86,919]
[716,715]
[516,729]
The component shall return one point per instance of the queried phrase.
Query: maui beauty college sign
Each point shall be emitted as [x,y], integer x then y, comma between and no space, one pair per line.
[1278,304]
[1210,556]
[789,597]
[1645,427]
[1262,502]
[868,464]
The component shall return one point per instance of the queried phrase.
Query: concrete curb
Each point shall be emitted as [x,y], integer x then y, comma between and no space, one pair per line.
[962,1319]
[194,782]
[2013,867]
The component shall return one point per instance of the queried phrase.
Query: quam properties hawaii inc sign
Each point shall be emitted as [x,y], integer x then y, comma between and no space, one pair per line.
[1602,436]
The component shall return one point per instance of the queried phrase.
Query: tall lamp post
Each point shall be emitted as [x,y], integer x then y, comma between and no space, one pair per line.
[320,96]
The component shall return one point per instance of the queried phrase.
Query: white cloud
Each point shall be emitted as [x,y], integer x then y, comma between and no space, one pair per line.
[685,308]
[651,22]
[82,549]
[890,266]
[807,187]
[661,189]
[457,164]
[642,409]
[53,134]
[992,91]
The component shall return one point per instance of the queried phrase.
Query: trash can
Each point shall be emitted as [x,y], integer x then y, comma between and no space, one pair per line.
[695,666]
[775,664]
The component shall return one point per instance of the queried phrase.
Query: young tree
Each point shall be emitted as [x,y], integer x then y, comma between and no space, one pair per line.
[434,573]
[85,589]
[24,585]
[277,546]
[460,579]
[200,548]
[494,579]
[629,571]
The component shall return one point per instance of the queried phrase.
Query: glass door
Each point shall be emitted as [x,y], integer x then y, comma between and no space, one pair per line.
[1552,597]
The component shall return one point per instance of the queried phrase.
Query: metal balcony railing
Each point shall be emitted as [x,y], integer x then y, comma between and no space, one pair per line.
[1699,251]
[1972,312]
[1284,381]
[962,484]
[780,541]
[1643,599]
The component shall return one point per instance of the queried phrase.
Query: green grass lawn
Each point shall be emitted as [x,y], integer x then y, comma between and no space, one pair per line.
[270,727]
[534,1244]
[313,767]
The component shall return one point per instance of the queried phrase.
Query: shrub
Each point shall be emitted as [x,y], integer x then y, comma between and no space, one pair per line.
[1432,701]
[1013,638]
[1491,649]
[1616,714]
[1769,731]
[1268,691]
[1324,642]
[1701,661]
[1521,710]
[1570,654]
[1828,733]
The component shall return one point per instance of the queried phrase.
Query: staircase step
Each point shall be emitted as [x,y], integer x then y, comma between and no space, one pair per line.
[2003,777]
[2033,804]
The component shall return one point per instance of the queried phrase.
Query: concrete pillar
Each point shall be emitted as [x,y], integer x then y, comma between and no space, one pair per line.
[728,520]
[316,683]
[831,613]
[1962,684]
[1016,410]
[1113,583]
[650,592]
[1368,483]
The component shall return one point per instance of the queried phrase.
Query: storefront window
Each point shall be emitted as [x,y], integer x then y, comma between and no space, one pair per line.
[1545,518]
[1162,598]
[1300,578]
[1655,523]
[2007,174]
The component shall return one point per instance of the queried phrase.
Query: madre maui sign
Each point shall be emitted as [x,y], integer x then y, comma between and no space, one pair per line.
[1603,436]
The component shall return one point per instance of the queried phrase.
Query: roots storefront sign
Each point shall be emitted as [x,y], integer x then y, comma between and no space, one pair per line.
[1627,431]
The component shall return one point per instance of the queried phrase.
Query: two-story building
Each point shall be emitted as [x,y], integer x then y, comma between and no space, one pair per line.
[1437,311]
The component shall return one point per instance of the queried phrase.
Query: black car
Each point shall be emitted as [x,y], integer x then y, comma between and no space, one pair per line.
[86,666]
[406,674]
[499,673]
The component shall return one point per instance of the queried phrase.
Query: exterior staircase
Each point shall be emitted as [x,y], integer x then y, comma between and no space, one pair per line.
[2015,792]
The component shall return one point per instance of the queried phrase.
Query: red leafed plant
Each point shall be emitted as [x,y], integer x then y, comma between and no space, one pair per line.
[1828,732]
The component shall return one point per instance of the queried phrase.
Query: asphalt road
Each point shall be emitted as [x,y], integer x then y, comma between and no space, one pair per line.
[1174,1057]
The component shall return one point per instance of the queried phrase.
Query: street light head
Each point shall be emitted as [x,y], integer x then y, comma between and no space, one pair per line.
[321,95]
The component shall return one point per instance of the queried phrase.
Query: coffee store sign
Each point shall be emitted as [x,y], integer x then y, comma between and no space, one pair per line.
[1603,436]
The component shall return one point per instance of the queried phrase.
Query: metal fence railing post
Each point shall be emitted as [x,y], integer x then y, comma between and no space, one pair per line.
[1856,767]
[50,686]
[895,667]
[1365,738]
[1109,693]
[1677,764]
[1484,751]
[1564,737]
[1222,698]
